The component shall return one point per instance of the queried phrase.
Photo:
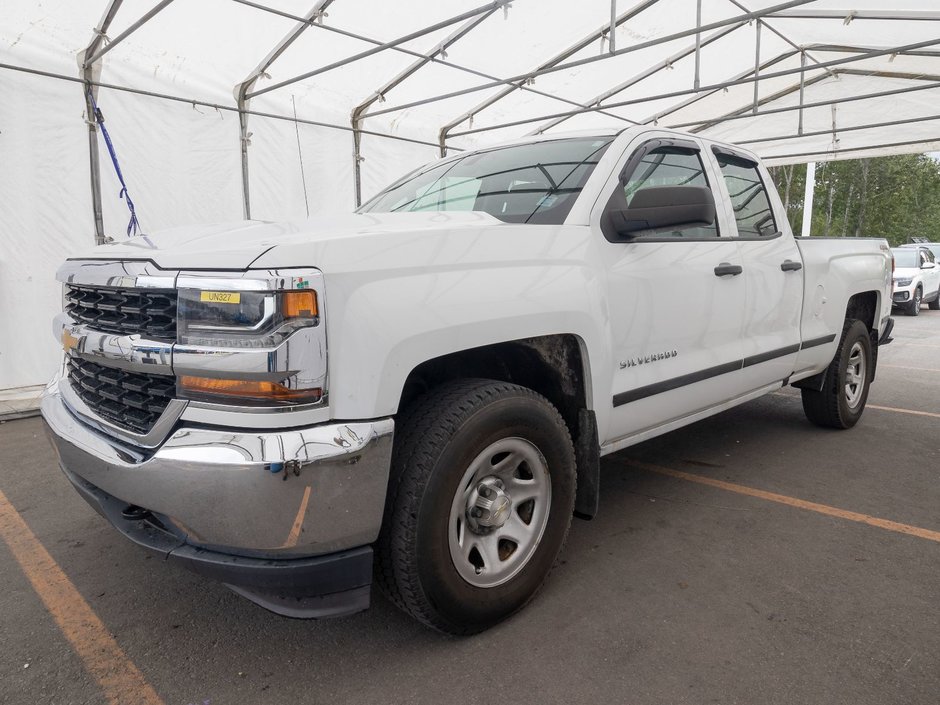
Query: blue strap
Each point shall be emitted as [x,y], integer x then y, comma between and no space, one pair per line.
[133,225]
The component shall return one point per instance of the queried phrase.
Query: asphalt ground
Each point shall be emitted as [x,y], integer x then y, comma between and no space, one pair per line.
[750,558]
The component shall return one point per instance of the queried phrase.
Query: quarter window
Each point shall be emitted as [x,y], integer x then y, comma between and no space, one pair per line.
[670,166]
[752,210]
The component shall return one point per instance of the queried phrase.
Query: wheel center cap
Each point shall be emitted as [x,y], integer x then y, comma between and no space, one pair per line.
[489,505]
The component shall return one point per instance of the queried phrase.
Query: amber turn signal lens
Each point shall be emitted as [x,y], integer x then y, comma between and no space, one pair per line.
[299,304]
[248,388]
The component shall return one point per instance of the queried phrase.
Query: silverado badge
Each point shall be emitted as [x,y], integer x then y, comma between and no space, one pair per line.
[645,359]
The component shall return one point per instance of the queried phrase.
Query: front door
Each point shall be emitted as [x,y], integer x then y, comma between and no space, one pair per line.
[676,307]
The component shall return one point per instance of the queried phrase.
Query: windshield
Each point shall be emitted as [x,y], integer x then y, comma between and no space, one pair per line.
[527,183]
[906,258]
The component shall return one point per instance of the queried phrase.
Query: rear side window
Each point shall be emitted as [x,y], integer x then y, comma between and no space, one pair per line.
[752,210]
[670,166]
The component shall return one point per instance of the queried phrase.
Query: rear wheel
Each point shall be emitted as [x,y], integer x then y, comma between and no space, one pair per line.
[841,401]
[481,500]
[935,304]
[913,308]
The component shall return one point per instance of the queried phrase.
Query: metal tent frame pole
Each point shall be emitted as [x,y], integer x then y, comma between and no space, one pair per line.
[410,52]
[741,115]
[90,71]
[808,192]
[928,143]
[495,5]
[742,112]
[651,71]
[359,112]
[769,11]
[520,81]
[717,86]
[147,16]
[656,117]
[241,92]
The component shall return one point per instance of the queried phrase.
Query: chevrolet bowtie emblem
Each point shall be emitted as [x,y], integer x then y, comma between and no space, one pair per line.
[69,341]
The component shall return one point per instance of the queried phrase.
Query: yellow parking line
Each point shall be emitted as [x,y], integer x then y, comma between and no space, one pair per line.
[792,501]
[903,411]
[905,367]
[895,409]
[116,674]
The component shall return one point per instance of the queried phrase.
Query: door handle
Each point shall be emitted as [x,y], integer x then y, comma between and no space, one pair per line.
[790,266]
[725,269]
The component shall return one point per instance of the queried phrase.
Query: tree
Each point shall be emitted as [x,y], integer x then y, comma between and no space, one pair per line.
[895,197]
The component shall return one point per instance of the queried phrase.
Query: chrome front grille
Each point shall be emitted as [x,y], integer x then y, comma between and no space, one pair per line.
[131,400]
[150,313]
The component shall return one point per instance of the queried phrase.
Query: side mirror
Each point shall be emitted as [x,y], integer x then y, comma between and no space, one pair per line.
[927,265]
[665,207]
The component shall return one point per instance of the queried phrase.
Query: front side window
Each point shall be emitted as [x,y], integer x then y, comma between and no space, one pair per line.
[528,183]
[670,166]
[752,211]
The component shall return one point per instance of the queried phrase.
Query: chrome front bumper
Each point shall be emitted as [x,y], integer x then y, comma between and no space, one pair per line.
[301,492]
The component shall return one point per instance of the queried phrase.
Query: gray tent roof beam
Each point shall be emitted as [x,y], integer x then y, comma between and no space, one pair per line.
[717,86]
[851,128]
[844,49]
[205,104]
[780,34]
[496,4]
[519,82]
[127,32]
[815,104]
[303,23]
[751,109]
[402,50]
[592,59]
[696,98]
[836,154]
[852,15]
[643,75]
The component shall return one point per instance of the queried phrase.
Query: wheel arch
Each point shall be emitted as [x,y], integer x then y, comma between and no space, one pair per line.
[556,366]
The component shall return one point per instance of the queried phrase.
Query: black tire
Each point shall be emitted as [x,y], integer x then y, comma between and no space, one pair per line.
[935,304]
[832,407]
[439,438]
[913,308]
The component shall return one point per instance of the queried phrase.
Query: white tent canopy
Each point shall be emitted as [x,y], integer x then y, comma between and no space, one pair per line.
[273,109]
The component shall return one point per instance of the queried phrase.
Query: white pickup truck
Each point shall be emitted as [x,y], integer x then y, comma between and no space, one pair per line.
[421,392]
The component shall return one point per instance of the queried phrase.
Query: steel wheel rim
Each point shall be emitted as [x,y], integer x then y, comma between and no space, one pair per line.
[486,556]
[855,375]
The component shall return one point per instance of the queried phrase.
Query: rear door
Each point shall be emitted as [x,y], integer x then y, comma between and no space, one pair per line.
[675,320]
[773,269]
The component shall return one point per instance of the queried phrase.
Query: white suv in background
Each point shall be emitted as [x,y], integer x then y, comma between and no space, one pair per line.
[916,278]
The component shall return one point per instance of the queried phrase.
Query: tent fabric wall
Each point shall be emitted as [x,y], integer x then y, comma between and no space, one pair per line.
[836,80]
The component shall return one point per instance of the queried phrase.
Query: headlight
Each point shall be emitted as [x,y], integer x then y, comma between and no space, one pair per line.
[239,319]
[250,340]
[903,282]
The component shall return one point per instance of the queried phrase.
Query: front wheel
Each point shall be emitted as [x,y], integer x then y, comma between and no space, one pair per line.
[481,500]
[841,401]
[913,308]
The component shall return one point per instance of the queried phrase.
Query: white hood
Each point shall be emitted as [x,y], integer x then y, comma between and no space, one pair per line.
[237,245]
